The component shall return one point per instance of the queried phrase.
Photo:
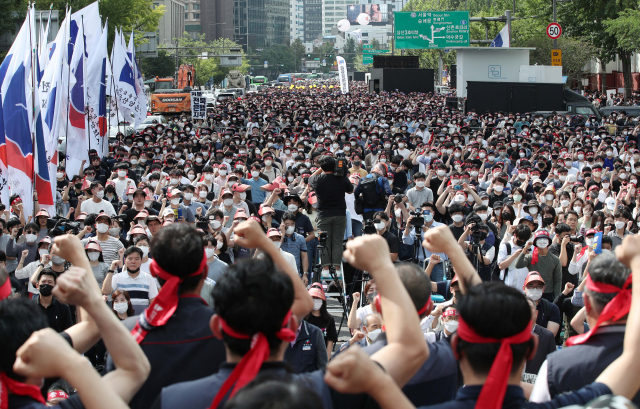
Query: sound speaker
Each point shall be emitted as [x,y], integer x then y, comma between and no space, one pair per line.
[451,102]
[396,61]
[454,76]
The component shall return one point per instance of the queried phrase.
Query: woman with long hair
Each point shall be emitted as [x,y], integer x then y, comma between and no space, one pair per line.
[122,306]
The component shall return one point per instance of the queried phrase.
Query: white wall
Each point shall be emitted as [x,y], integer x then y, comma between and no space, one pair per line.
[541,73]
[489,64]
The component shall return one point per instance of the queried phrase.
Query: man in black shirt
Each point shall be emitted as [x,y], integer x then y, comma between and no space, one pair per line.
[381,222]
[332,208]
[59,314]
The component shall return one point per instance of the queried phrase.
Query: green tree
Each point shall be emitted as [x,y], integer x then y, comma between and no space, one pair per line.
[600,22]
[626,30]
[162,66]
[9,22]
[576,54]
[298,52]
[280,57]
[139,15]
[350,49]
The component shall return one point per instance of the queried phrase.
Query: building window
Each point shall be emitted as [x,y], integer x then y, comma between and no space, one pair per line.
[196,6]
[196,15]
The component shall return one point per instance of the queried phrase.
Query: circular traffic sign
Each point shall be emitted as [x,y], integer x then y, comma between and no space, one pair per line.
[554,31]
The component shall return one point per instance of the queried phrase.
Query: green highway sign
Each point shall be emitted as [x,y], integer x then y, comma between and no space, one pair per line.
[431,29]
[368,53]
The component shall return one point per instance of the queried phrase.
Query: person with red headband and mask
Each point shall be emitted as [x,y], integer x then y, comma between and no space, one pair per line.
[256,317]
[574,367]
[493,341]
[174,330]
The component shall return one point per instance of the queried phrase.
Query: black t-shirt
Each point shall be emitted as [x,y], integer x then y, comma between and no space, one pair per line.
[457,231]
[392,241]
[327,326]
[131,213]
[493,198]
[330,191]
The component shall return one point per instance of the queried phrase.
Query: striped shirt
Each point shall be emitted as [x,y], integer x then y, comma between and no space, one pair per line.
[109,247]
[140,289]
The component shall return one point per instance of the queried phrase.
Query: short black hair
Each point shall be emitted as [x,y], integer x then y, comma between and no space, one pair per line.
[133,249]
[32,226]
[523,232]
[419,175]
[456,208]
[48,272]
[384,216]
[178,250]
[19,318]
[327,163]
[417,283]
[493,310]
[266,391]
[252,297]
[562,228]
[430,205]
[209,238]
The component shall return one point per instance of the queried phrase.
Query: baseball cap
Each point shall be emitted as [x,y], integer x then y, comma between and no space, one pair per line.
[273,232]
[533,276]
[317,292]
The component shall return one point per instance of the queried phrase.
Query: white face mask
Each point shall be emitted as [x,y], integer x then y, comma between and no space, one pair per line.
[219,244]
[290,229]
[188,196]
[549,197]
[457,218]
[620,225]
[451,326]
[379,226]
[317,304]
[208,176]
[441,172]
[59,175]
[191,176]
[223,172]
[498,188]
[102,227]
[420,184]
[533,210]
[100,194]
[483,216]
[216,225]
[114,231]
[154,183]
[564,203]
[542,243]
[202,194]
[175,201]
[292,207]
[174,181]
[145,250]
[373,335]
[577,209]
[121,307]
[122,173]
[398,213]
[228,202]
[43,252]
[210,252]
[93,256]
[459,198]
[255,173]
[534,293]
[243,196]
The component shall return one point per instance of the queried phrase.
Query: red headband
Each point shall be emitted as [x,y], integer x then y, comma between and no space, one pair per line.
[57,394]
[17,388]
[378,303]
[450,312]
[165,304]
[615,309]
[495,387]
[249,366]
[5,289]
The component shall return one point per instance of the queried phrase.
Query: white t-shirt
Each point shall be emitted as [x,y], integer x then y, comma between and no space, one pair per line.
[89,206]
[121,185]
[141,288]
[290,259]
[362,312]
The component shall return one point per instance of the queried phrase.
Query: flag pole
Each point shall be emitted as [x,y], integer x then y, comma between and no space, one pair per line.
[70,57]
[33,106]
[84,90]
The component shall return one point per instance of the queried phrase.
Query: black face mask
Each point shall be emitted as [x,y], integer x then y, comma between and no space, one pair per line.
[521,243]
[45,290]
[133,271]
[482,235]
[78,185]
[547,220]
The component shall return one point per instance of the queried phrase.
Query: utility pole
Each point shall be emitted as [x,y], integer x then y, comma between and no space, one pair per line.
[555,41]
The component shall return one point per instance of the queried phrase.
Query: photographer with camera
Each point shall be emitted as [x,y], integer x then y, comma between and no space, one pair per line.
[381,223]
[332,208]
[480,253]
[422,220]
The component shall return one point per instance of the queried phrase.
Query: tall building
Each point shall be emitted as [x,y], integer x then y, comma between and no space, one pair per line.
[296,20]
[312,20]
[260,23]
[172,22]
[192,22]
[332,12]
[217,19]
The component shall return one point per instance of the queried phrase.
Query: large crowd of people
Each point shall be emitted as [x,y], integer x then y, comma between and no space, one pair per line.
[482,259]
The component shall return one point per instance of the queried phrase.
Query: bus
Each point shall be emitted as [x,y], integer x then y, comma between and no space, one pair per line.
[285,78]
[259,80]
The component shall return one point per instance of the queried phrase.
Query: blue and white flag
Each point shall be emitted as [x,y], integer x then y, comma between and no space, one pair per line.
[16,150]
[124,82]
[502,39]
[142,97]
[96,96]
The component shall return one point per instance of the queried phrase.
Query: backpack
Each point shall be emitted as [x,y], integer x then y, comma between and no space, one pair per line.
[497,273]
[370,195]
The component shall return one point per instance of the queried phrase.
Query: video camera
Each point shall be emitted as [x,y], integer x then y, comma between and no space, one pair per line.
[59,226]
[418,218]
[323,237]
[479,230]
[340,168]
[399,197]
[369,228]
[203,223]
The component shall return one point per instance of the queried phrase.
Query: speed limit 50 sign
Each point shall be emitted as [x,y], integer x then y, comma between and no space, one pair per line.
[554,31]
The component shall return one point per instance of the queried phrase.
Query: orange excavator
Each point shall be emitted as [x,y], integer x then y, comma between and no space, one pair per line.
[167,98]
